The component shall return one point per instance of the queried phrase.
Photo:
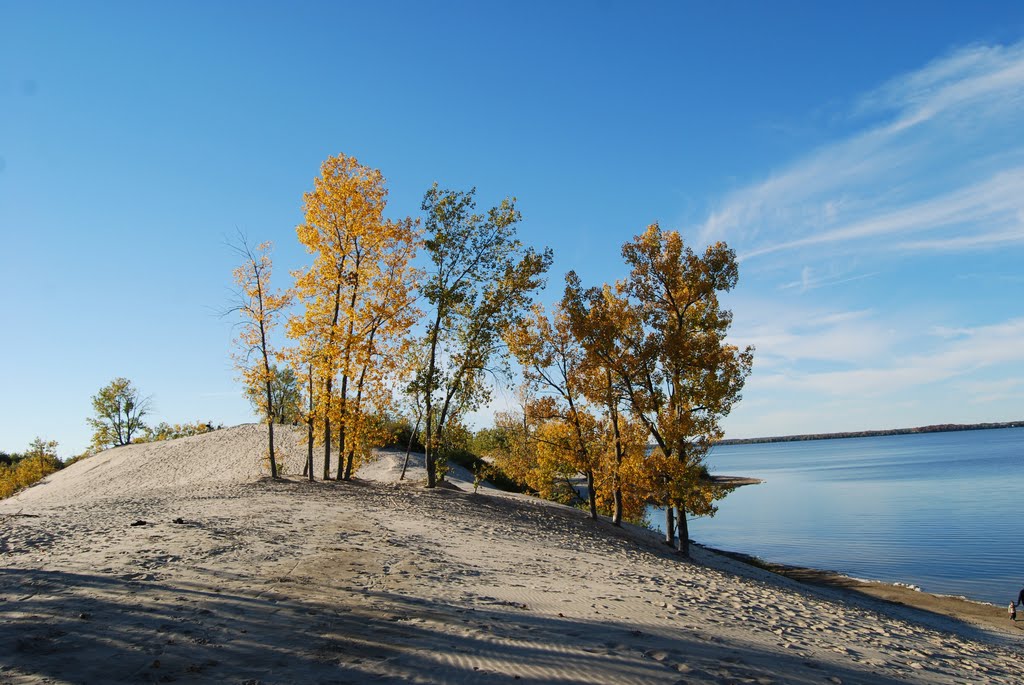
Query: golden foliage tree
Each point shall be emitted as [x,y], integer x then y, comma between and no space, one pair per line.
[602,320]
[357,298]
[553,367]
[37,462]
[513,447]
[382,355]
[260,308]
[664,339]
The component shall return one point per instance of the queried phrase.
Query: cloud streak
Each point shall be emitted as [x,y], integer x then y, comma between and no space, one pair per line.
[940,168]
[973,350]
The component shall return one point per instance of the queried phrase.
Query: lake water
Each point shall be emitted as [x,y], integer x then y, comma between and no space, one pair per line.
[941,511]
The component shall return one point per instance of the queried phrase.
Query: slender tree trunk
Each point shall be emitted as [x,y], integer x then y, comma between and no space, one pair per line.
[307,466]
[349,463]
[330,378]
[428,445]
[342,426]
[684,532]
[583,454]
[670,534]
[408,450]
[591,495]
[443,414]
[327,430]
[309,434]
[270,394]
[270,437]
[613,413]
[428,453]
[360,384]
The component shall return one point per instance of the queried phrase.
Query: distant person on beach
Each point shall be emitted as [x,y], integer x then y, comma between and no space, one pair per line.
[1012,610]
[1020,598]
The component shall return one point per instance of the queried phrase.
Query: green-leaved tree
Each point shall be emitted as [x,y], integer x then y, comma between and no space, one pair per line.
[119,409]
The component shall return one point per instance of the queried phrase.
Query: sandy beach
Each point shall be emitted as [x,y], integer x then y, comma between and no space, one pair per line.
[181,562]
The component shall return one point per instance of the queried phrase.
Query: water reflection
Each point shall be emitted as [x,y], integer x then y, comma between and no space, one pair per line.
[936,510]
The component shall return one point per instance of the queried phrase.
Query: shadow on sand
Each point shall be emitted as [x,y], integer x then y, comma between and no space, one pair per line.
[89,628]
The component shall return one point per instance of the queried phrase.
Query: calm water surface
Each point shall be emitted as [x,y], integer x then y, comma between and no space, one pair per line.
[941,511]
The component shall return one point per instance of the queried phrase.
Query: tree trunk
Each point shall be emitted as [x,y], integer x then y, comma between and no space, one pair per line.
[408,450]
[429,455]
[309,435]
[329,379]
[270,394]
[327,431]
[443,415]
[270,424]
[684,532]
[342,427]
[273,461]
[670,534]
[613,412]
[428,395]
[591,495]
[309,451]
[359,407]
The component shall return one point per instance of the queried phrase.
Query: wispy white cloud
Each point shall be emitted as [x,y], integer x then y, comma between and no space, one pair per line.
[974,350]
[786,337]
[809,280]
[857,256]
[977,73]
[943,161]
[993,203]
[986,392]
[968,242]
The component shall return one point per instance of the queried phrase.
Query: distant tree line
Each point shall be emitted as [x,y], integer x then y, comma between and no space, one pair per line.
[19,470]
[936,428]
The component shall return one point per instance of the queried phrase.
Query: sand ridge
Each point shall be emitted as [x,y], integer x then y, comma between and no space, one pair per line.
[292,582]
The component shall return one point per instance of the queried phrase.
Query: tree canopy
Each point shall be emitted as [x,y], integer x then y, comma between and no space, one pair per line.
[119,412]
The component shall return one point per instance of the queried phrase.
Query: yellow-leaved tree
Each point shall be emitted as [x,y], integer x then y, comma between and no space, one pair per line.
[260,308]
[37,462]
[603,321]
[670,360]
[357,303]
[552,359]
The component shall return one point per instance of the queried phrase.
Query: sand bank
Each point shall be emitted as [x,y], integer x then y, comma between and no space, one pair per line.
[229,578]
[980,614]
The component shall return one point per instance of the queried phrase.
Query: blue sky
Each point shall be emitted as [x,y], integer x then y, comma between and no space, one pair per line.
[866,161]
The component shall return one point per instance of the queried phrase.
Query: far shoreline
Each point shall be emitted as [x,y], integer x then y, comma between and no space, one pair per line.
[937,428]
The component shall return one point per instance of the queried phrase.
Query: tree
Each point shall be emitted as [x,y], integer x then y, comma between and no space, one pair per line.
[666,348]
[285,393]
[602,320]
[357,297]
[260,307]
[119,409]
[480,282]
[689,376]
[167,431]
[37,462]
[553,368]
[382,352]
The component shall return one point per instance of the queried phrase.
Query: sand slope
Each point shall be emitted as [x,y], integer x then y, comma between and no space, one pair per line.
[291,582]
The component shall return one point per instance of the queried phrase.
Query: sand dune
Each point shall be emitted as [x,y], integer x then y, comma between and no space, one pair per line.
[292,582]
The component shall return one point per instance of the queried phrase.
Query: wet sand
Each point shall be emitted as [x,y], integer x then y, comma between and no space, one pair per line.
[982,614]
